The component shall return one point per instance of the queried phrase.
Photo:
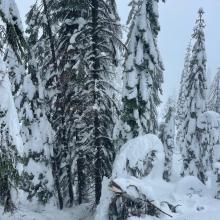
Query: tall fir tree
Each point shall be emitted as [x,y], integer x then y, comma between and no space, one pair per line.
[181,102]
[167,136]
[196,102]
[214,94]
[72,17]
[143,73]
[99,39]
[75,55]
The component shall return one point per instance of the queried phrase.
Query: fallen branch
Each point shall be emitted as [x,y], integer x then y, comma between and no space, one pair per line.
[114,187]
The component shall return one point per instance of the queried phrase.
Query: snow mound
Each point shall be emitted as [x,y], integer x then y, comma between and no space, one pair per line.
[139,157]
[137,169]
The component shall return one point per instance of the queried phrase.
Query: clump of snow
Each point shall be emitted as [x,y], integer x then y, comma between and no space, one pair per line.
[139,164]
[136,153]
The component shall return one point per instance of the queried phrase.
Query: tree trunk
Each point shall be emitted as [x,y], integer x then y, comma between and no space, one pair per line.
[70,184]
[55,170]
[96,76]
[81,178]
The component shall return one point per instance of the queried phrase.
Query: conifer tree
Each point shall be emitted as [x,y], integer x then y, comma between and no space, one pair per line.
[99,39]
[37,133]
[167,136]
[67,159]
[71,16]
[214,94]
[181,103]
[207,130]
[14,48]
[25,90]
[11,147]
[143,73]
[196,101]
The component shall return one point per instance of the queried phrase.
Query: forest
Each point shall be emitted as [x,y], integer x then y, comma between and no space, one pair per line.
[81,137]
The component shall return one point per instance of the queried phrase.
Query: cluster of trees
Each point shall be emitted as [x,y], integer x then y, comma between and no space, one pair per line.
[196,115]
[59,100]
[61,72]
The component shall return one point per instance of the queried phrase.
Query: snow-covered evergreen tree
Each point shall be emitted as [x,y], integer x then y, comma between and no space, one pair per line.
[37,133]
[99,39]
[68,106]
[11,147]
[13,28]
[167,136]
[207,131]
[214,94]
[15,47]
[143,74]
[196,101]
[181,103]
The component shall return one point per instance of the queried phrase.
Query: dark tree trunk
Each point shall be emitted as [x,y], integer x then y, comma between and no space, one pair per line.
[96,76]
[55,166]
[70,184]
[6,195]
[81,178]
[55,169]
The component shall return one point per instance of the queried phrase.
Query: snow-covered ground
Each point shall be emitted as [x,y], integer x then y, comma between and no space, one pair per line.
[83,212]
[196,203]
[191,199]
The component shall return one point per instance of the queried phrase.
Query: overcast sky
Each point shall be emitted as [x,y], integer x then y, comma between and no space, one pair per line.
[177,19]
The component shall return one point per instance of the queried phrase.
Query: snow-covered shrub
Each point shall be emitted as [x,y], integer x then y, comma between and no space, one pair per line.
[208,135]
[138,166]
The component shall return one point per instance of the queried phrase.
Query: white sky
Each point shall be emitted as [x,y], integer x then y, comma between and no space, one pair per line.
[177,19]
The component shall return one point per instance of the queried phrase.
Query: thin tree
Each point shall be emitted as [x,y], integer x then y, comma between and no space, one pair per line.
[181,103]
[167,136]
[196,101]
